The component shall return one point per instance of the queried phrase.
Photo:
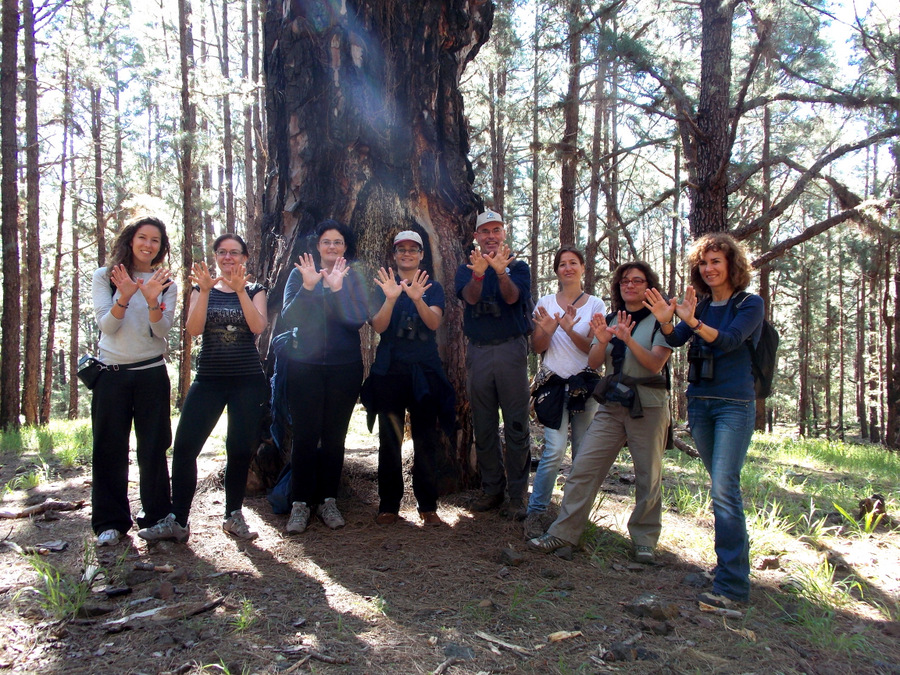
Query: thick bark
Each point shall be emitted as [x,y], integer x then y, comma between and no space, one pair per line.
[366,126]
[251,230]
[227,135]
[765,271]
[569,144]
[803,353]
[10,351]
[861,357]
[535,152]
[496,96]
[99,217]
[31,371]
[591,246]
[75,318]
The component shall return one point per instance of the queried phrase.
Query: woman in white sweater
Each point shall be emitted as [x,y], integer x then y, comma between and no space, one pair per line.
[134,306]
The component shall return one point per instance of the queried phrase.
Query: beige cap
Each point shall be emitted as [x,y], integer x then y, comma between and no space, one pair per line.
[409,235]
[488,216]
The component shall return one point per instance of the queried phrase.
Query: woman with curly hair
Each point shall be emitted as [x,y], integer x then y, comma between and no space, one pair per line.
[721,392]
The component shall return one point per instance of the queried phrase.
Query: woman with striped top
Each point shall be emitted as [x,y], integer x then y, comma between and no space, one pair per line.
[229,312]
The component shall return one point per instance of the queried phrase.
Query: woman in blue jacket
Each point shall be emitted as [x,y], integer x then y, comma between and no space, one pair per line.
[721,393]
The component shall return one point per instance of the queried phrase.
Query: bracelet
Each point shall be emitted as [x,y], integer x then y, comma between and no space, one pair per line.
[153,309]
[698,327]
[125,306]
[501,274]
[475,277]
[670,322]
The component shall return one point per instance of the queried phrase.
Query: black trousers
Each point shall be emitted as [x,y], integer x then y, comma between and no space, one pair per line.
[395,398]
[321,400]
[245,400]
[120,398]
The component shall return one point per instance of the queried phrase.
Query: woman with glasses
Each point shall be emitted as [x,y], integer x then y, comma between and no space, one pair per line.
[562,396]
[134,305]
[408,375]
[326,304]
[229,312]
[721,392]
[633,411]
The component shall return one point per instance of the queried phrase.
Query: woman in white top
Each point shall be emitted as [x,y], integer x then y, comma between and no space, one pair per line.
[563,336]
[134,306]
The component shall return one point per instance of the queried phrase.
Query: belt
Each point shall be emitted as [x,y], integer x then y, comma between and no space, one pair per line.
[493,343]
[132,366]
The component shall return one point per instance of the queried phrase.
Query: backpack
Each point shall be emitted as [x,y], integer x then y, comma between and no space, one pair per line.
[764,355]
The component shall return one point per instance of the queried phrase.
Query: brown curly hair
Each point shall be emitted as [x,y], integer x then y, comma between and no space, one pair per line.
[735,255]
[615,292]
[121,248]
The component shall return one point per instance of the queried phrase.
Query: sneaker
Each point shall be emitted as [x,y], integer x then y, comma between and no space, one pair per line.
[328,513]
[430,518]
[108,538]
[716,600]
[486,502]
[299,518]
[534,525]
[644,554]
[236,525]
[166,529]
[514,509]
[547,543]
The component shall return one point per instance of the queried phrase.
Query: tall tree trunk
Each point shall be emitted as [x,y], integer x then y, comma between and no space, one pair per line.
[803,352]
[57,265]
[592,245]
[75,317]
[227,142]
[99,217]
[861,356]
[676,224]
[251,231]
[496,97]
[535,152]
[829,337]
[873,365]
[188,133]
[260,134]
[10,350]
[390,157]
[569,144]
[842,328]
[119,183]
[31,372]
[764,240]
[892,439]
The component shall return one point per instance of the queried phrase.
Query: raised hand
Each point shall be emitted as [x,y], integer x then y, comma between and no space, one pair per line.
[388,284]
[545,321]
[568,320]
[123,281]
[335,278]
[685,308]
[600,329]
[238,278]
[156,284]
[623,327]
[663,310]
[477,262]
[500,259]
[201,277]
[307,269]
[416,287]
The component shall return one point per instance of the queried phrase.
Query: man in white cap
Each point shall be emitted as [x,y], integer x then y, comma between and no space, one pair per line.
[495,289]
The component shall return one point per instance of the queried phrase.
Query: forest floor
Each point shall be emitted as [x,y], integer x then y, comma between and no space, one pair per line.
[409,599]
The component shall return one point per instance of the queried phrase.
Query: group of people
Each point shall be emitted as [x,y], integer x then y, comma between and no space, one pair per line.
[326,302]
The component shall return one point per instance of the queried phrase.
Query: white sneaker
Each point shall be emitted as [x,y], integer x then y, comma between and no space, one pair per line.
[108,538]
[329,514]
[237,526]
[299,518]
[166,529]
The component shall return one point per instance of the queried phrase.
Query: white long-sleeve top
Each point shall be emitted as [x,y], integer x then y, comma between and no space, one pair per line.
[134,337]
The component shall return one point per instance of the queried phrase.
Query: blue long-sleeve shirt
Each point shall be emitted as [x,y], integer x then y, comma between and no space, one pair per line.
[732,364]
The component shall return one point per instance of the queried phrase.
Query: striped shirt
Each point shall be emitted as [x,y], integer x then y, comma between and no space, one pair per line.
[229,346]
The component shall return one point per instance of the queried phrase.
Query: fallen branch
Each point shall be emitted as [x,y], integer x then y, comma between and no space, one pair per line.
[721,611]
[441,669]
[37,509]
[516,649]
[318,656]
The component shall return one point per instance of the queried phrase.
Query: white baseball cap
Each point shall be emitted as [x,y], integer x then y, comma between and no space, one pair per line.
[488,216]
[409,235]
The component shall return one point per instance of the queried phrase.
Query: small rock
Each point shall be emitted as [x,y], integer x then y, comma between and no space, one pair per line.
[565,553]
[548,573]
[656,627]
[636,567]
[696,580]
[116,591]
[486,603]
[649,605]
[769,562]
[510,557]
[165,591]
[455,651]
[179,576]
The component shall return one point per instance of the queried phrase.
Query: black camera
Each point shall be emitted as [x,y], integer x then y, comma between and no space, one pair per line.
[486,308]
[619,393]
[409,327]
[700,363]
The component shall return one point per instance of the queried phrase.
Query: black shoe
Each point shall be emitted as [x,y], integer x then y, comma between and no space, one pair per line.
[514,509]
[486,502]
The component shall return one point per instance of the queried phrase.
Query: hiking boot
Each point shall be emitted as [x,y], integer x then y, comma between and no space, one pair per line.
[430,518]
[644,554]
[386,518]
[235,525]
[534,525]
[514,509]
[108,538]
[328,513]
[547,543]
[166,529]
[299,518]
[486,502]
[716,600]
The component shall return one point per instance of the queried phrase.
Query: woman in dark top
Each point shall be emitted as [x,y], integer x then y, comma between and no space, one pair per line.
[408,375]
[326,305]
[721,394]
[229,312]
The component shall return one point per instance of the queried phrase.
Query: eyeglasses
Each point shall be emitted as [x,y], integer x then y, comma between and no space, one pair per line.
[407,251]
[337,243]
[234,254]
[636,281]
[484,231]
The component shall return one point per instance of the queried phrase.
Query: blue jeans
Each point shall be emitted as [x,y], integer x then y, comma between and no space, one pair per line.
[722,429]
[555,442]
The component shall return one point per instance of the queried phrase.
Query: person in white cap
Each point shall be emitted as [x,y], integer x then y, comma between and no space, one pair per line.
[495,289]
[408,375]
